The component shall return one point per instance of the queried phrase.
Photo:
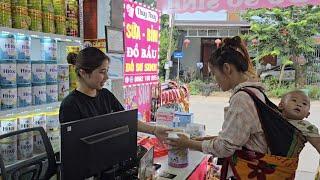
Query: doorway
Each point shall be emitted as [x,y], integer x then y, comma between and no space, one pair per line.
[208,46]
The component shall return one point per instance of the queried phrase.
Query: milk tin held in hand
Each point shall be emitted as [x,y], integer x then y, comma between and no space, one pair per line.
[8,95]
[8,72]
[23,72]
[23,44]
[177,157]
[24,95]
[38,71]
[7,46]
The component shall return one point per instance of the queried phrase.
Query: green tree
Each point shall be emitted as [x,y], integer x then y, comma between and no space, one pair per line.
[286,33]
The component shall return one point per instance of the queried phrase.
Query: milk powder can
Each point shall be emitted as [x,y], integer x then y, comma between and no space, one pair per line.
[8,72]
[63,72]
[39,120]
[8,123]
[63,90]
[8,95]
[38,71]
[52,92]
[54,137]
[177,157]
[23,72]
[7,46]
[52,119]
[25,147]
[23,44]
[51,71]
[48,49]
[38,146]
[25,121]
[8,146]
[39,95]
[25,140]
[24,95]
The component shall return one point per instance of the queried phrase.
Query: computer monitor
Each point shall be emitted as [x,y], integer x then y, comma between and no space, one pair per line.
[93,145]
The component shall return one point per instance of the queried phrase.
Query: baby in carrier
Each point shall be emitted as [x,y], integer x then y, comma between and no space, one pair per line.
[286,133]
[295,107]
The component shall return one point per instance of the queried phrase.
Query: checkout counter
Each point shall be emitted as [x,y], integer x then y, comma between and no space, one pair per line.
[196,169]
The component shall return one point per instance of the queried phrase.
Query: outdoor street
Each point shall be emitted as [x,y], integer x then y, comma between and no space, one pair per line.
[209,111]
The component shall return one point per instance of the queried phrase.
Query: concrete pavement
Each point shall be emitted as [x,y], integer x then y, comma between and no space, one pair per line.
[210,110]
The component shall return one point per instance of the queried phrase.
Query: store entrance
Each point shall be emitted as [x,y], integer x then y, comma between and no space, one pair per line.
[208,46]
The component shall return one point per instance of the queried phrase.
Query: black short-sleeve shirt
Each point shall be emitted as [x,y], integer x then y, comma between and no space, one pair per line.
[78,105]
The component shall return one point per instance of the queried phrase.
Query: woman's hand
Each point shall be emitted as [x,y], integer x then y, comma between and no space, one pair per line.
[183,141]
[161,132]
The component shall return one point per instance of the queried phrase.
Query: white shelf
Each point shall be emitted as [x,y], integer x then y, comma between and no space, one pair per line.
[29,108]
[35,34]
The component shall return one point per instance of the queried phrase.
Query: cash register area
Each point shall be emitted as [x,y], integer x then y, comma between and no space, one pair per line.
[103,147]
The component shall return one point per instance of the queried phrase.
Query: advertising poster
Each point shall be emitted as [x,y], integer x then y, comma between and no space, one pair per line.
[141,37]
[139,97]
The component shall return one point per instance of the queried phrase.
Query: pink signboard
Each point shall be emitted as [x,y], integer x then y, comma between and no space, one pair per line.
[183,6]
[141,37]
[139,97]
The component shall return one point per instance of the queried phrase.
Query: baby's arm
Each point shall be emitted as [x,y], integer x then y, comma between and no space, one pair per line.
[315,141]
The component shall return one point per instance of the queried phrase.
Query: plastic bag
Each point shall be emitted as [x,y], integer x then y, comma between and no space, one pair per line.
[160,149]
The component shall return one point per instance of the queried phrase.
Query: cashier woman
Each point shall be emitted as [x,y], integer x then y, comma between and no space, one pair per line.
[90,99]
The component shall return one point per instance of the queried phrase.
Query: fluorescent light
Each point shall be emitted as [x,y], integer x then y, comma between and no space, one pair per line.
[5,32]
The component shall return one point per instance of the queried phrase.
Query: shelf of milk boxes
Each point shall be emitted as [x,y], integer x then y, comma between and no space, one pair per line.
[181,120]
[29,94]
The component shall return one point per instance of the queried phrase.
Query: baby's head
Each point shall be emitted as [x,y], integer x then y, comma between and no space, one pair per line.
[295,105]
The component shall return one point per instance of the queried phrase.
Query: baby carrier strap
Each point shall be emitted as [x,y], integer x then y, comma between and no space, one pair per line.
[281,138]
[279,133]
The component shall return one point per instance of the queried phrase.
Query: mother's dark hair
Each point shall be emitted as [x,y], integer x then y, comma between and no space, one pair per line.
[90,59]
[232,51]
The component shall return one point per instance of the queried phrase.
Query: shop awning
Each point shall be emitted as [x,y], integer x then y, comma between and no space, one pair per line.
[184,6]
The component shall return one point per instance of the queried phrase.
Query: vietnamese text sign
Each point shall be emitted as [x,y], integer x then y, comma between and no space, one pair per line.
[189,6]
[141,32]
[178,54]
